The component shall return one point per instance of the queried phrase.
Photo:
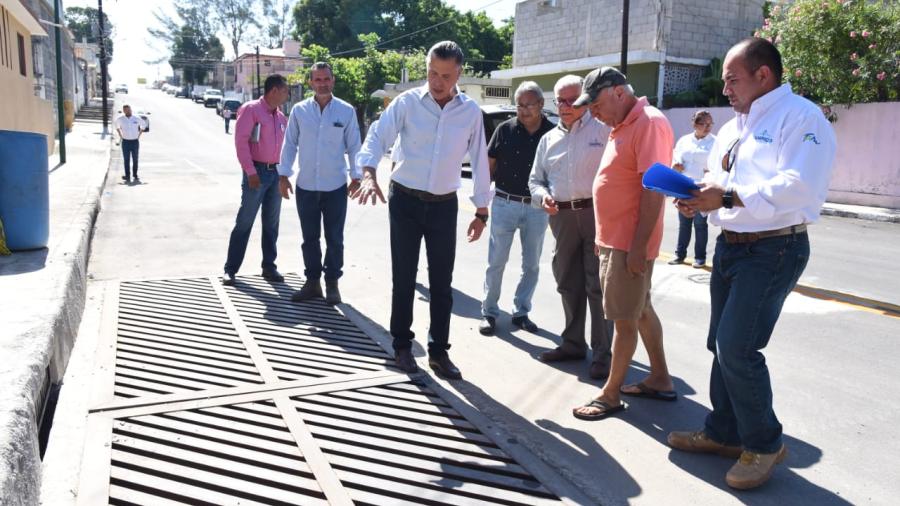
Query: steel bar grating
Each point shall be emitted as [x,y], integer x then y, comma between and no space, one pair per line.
[236,395]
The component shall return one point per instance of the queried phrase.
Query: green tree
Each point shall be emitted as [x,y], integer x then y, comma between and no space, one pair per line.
[235,18]
[192,41]
[84,24]
[838,51]
[279,19]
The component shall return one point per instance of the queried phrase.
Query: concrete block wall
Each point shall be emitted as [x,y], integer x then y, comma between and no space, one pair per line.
[705,29]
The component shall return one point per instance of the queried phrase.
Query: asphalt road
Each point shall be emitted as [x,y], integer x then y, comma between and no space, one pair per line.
[833,363]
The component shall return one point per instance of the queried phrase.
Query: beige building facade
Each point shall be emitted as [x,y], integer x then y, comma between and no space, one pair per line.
[22,110]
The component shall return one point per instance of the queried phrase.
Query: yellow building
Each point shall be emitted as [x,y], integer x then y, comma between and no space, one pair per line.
[22,110]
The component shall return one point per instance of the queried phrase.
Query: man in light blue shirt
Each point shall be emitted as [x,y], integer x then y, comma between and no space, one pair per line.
[437,125]
[323,128]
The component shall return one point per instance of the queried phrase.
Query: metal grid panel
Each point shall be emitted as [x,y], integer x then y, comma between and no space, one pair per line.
[175,336]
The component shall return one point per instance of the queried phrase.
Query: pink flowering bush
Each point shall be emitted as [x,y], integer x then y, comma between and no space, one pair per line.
[838,51]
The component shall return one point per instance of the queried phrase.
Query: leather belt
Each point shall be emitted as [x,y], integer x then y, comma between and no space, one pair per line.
[423,195]
[747,237]
[575,204]
[512,198]
[269,166]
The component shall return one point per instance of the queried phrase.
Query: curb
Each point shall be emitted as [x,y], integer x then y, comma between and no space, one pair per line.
[884,216]
[46,345]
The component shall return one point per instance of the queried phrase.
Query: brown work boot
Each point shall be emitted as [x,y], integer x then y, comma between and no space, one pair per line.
[754,469]
[699,442]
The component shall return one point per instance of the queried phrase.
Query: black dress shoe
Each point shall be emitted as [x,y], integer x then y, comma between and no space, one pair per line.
[228,279]
[405,361]
[444,367]
[559,355]
[524,323]
[676,261]
[599,371]
[488,326]
[272,275]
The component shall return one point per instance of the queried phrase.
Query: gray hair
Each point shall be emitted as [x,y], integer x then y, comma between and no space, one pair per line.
[566,81]
[531,86]
[320,65]
[446,50]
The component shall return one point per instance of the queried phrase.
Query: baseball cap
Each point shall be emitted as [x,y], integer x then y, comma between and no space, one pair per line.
[603,77]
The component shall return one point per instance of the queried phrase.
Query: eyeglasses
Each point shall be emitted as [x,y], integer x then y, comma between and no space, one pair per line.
[528,106]
[730,156]
[565,101]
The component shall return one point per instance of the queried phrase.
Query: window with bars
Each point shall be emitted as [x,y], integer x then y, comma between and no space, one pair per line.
[496,91]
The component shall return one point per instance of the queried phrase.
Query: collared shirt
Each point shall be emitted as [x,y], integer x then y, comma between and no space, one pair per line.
[643,138]
[567,160]
[782,163]
[323,137]
[693,154]
[272,124]
[433,141]
[130,126]
[513,148]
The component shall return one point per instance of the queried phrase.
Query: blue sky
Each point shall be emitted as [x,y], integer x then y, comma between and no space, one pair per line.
[133,46]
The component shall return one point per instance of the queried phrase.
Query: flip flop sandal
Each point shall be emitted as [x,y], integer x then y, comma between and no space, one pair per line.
[605,408]
[650,393]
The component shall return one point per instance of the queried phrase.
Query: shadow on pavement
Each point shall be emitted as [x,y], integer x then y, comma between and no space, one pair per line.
[22,262]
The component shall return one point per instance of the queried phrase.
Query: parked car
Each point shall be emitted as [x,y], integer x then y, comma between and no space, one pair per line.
[211,97]
[144,115]
[172,89]
[496,114]
[232,104]
[197,92]
[183,92]
[122,88]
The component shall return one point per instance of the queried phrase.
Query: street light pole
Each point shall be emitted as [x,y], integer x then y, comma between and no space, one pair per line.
[623,65]
[60,111]
[104,78]
[256,93]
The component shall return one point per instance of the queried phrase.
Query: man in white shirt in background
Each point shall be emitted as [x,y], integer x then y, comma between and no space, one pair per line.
[562,176]
[324,129]
[690,158]
[130,128]
[769,174]
[437,125]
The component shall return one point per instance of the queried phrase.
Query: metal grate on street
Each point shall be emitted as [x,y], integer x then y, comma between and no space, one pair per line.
[235,395]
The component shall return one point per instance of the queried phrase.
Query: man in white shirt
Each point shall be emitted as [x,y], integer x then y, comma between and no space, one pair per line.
[324,129]
[130,128]
[565,164]
[769,174]
[436,125]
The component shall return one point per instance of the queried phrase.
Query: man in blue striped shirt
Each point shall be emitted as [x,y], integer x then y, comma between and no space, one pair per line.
[322,129]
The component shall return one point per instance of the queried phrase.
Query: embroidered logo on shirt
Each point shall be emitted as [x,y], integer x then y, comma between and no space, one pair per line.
[811,137]
[763,137]
[595,144]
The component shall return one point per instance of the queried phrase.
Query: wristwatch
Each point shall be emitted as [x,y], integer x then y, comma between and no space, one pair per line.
[728,199]
[482,217]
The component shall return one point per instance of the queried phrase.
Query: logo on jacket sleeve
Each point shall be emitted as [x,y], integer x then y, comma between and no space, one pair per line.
[811,137]
[763,137]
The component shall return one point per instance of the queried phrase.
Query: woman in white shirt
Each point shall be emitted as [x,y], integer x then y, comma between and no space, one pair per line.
[689,158]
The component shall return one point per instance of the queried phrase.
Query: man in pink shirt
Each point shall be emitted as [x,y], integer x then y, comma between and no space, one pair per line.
[629,231]
[258,136]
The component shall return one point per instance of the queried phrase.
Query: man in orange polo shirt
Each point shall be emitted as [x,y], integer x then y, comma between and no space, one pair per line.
[629,231]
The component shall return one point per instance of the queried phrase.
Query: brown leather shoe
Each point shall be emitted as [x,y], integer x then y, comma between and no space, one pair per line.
[699,442]
[754,469]
[559,355]
[405,361]
[599,371]
[444,367]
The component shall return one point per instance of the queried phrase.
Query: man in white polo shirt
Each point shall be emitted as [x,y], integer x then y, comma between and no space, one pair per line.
[130,128]
[769,171]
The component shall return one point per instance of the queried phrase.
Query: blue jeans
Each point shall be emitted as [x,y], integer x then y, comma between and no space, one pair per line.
[684,236]
[413,220]
[267,197]
[506,218]
[748,287]
[130,151]
[314,209]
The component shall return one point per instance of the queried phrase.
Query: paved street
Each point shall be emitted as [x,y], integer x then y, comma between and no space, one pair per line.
[833,363]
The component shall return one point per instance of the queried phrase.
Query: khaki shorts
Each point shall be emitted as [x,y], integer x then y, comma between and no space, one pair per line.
[625,297]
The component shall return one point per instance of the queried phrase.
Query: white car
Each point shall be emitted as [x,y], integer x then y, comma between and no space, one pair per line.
[211,97]
[122,88]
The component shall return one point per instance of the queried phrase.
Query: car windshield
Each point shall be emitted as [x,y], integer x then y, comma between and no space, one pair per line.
[213,92]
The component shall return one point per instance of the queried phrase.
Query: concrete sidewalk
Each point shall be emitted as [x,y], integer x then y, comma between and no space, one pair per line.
[861,212]
[42,298]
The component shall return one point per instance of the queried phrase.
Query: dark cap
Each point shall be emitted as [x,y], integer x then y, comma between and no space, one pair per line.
[604,77]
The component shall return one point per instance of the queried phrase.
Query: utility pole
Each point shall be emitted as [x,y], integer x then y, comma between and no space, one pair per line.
[256,93]
[60,111]
[623,65]
[104,78]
